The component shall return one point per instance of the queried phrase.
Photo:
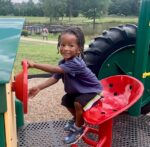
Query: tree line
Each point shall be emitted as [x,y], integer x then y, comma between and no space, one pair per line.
[71,8]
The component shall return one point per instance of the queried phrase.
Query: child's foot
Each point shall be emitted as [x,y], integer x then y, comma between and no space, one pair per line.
[74,135]
[69,125]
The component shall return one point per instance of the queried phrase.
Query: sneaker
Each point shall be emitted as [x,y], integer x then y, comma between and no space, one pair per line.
[74,135]
[69,125]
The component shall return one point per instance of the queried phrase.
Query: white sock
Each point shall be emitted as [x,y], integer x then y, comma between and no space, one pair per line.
[78,128]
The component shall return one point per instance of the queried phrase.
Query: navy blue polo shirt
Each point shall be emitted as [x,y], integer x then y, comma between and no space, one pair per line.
[78,78]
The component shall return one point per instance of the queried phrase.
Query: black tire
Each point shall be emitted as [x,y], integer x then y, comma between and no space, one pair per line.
[115,38]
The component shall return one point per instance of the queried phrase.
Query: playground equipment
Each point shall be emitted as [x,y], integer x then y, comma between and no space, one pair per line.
[20,85]
[10,30]
[124,50]
[120,92]
[146,74]
[112,53]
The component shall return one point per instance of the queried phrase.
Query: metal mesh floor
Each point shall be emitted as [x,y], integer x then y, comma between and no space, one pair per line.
[128,131]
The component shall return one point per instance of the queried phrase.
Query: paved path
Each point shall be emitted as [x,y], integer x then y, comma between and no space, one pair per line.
[45,41]
[38,40]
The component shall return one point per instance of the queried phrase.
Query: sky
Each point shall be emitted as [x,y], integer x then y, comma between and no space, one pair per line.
[20,1]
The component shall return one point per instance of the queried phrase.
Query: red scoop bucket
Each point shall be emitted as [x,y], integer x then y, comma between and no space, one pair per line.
[20,86]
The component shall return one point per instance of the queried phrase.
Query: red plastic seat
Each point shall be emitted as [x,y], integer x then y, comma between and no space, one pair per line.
[20,86]
[120,92]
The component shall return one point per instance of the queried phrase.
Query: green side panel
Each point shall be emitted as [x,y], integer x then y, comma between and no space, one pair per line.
[3,104]
[142,51]
[119,62]
[146,95]
[2,131]
[19,113]
[10,31]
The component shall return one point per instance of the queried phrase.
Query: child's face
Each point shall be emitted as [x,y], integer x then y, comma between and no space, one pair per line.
[68,46]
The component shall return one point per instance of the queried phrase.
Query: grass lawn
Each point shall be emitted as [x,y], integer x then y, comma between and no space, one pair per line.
[38,52]
[51,37]
[76,20]
[82,20]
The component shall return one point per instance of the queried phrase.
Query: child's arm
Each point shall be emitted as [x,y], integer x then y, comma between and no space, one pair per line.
[45,67]
[35,90]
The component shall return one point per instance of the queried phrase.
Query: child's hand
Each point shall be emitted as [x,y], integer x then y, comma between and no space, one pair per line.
[33,92]
[30,64]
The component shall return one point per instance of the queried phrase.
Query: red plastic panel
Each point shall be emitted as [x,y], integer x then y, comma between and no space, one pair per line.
[21,85]
[120,93]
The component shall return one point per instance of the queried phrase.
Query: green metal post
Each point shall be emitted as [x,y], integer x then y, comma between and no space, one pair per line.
[142,49]
[19,113]
[2,131]
[3,109]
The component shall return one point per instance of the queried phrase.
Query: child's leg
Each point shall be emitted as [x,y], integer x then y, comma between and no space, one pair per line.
[73,112]
[79,103]
[79,114]
[71,122]
[76,130]
[68,102]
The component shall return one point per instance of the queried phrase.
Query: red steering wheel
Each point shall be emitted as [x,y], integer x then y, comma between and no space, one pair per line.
[20,85]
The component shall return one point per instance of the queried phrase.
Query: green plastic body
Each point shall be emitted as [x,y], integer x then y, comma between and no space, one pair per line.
[133,60]
[142,51]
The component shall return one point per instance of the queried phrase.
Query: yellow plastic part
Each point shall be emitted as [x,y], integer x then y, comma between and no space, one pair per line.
[146,74]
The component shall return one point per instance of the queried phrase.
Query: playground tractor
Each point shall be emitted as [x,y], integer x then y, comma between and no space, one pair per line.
[118,54]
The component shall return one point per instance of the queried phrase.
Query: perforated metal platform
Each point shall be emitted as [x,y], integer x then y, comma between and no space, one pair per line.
[128,131]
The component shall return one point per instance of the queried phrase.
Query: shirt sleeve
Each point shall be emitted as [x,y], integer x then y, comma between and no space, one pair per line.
[57,76]
[72,66]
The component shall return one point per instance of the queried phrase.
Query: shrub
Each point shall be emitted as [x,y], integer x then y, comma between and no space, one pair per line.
[24,33]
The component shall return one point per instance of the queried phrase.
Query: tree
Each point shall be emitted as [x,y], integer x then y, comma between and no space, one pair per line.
[38,11]
[125,7]
[28,9]
[73,8]
[54,9]
[6,7]
[94,8]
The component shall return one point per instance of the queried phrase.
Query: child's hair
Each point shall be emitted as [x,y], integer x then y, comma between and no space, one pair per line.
[79,35]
